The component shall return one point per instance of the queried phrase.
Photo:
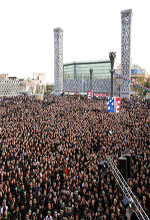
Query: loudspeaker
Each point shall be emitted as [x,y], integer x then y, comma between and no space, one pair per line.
[123,166]
[129,173]
[125,201]
[134,217]
[129,212]
[104,171]
[101,165]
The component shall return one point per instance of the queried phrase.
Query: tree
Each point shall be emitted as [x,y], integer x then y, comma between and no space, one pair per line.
[49,88]
[138,89]
[147,85]
[37,90]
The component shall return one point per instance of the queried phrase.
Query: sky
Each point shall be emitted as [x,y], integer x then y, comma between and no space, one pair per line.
[92,29]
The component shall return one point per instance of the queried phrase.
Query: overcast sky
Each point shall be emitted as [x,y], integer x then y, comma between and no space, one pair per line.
[92,29]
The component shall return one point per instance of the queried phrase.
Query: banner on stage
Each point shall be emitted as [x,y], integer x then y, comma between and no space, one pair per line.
[99,94]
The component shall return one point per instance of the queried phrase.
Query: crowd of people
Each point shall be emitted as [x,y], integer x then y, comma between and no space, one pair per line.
[51,151]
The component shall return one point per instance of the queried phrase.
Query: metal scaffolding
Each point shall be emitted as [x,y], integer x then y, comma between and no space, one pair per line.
[134,203]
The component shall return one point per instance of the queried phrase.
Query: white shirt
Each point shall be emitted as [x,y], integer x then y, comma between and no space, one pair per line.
[3,209]
[49,218]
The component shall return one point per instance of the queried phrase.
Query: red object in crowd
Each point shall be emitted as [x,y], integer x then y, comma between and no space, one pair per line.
[65,168]
[117,104]
[89,95]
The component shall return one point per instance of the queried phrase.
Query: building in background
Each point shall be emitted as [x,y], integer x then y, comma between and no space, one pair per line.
[9,86]
[37,85]
[58,60]
[31,86]
[40,77]
[77,76]
[138,74]
[81,70]
[4,76]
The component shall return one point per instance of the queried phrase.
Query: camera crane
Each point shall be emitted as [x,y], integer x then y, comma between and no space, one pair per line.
[133,202]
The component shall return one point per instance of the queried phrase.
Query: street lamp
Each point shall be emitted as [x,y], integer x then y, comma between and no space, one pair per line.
[112,56]
[91,76]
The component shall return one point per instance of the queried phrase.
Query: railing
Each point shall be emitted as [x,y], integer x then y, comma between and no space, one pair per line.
[136,207]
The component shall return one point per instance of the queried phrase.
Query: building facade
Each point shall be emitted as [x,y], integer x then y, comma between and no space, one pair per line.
[4,76]
[40,77]
[77,76]
[81,70]
[58,60]
[137,74]
[9,87]
[31,86]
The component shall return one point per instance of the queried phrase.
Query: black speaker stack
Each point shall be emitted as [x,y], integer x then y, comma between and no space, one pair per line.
[125,166]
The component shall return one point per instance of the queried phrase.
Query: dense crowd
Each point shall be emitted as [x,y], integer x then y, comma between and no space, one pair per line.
[51,151]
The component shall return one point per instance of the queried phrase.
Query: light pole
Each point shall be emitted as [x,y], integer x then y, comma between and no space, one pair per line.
[112,56]
[91,75]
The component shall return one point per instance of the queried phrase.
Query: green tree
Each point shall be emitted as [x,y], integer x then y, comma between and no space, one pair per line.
[49,88]
[138,89]
[147,85]
[37,90]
